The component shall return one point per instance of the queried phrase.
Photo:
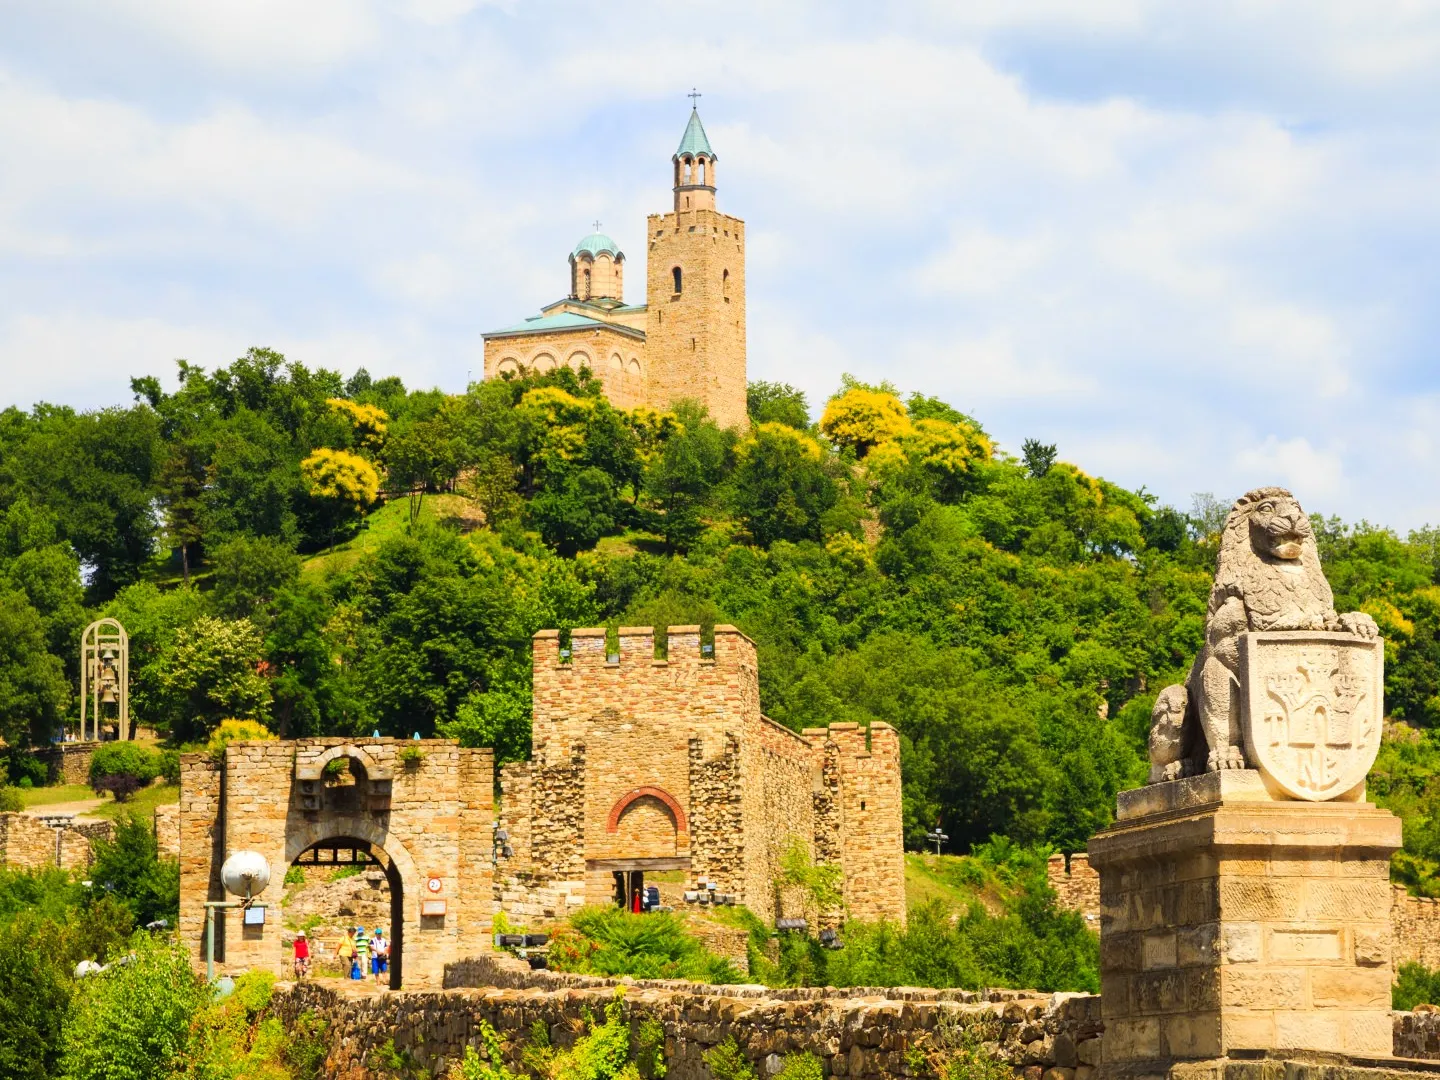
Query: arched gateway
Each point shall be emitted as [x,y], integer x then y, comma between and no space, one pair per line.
[426,818]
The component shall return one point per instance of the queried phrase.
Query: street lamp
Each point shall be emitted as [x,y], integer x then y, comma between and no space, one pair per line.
[244,874]
[936,837]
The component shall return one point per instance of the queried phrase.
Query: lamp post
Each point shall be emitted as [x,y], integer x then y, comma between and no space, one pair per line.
[936,837]
[244,874]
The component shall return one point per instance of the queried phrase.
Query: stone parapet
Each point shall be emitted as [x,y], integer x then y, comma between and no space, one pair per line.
[68,763]
[860,1033]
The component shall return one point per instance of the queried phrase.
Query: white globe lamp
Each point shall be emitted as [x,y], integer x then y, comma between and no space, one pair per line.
[245,874]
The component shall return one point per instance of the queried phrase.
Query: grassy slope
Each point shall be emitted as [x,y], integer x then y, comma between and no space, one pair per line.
[956,880]
[142,804]
[390,521]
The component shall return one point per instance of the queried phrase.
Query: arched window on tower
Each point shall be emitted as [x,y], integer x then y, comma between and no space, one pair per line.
[700,165]
[725,286]
[675,279]
[586,294]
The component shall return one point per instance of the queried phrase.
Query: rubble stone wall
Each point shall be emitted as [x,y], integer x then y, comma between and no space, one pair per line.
[167,830]
[856,1033]
[27,843]
[69,763]
[1078,887]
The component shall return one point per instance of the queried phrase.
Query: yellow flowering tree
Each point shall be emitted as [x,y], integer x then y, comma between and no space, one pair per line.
[345,484]
[368,422]
[863,418]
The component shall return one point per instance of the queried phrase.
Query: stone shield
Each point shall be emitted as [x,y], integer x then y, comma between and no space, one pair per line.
[1311,704]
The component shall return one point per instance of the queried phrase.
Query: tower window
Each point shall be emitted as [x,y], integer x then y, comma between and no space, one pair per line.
[586,294]
[675,279]
[725,286]
[702,170]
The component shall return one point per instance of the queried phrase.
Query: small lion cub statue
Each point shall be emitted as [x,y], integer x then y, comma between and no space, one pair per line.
[1268,577]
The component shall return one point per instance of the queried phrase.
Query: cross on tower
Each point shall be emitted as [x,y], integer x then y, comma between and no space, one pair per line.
[596,223]
[694,96]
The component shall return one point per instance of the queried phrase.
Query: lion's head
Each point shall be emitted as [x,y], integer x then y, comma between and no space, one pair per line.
[1266,532]
[1274,522]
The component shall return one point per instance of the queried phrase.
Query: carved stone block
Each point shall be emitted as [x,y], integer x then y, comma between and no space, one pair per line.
[1311,708]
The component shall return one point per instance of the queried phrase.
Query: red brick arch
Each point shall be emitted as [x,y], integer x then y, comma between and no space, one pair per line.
[612,823]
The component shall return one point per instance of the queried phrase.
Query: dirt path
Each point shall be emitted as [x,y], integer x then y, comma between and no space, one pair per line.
[81,807]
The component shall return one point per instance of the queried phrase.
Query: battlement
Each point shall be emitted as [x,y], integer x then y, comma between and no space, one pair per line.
[634,646]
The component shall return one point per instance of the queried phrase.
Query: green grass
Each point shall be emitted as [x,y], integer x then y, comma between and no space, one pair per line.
[391,521]
[60,793]
[142,804]
[955,880]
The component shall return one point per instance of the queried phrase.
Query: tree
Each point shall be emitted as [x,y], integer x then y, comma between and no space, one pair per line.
[181,488]
[862,418]
[782,486]
[249,572]
[211,673]
[34,694]
[576,507]
[776,403]
[130,869]
[344,483]
[1038,457]
[682,475]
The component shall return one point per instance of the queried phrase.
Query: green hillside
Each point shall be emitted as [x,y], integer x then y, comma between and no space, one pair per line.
[366,557]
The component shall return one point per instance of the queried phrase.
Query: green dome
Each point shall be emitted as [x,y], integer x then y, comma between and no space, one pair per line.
[597,242]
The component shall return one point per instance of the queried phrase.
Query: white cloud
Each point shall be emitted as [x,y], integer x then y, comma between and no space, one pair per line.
[1311,472]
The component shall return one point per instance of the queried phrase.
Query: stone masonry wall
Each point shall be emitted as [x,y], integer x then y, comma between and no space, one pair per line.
[856,1036]
[69,763]
[1076,888]
[872,827]
[27,843]
[167,830]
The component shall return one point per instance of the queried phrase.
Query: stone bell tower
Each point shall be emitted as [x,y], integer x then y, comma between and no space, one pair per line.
[695,291]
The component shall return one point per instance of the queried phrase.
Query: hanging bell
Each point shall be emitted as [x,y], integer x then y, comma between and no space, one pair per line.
[107,692]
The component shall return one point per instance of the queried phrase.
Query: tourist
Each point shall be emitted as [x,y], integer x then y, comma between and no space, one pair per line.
[346,952]
[379,955]
[362,954]
[302,955]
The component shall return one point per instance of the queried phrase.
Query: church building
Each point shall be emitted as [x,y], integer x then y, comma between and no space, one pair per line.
[687,341]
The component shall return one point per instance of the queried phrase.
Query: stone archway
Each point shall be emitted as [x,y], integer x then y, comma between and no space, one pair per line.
[397,865]
[429,813]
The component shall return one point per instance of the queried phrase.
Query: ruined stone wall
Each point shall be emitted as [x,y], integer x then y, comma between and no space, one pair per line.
[69,763]
[1415,922]
[167,830]
[1077,888]
[27,843]
[717,833]
[779,772]
[201,853]
[862,1034]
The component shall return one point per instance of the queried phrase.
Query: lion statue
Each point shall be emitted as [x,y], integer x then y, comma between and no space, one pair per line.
[1268,577]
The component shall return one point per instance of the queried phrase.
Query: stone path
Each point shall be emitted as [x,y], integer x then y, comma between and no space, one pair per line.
[80,807]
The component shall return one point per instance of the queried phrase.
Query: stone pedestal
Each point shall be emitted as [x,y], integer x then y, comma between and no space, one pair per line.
[1236,920]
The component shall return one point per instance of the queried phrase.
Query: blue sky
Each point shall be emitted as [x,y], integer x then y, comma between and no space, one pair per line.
[1196,246]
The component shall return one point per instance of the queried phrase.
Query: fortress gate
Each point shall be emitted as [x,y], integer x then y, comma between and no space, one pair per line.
[426,818]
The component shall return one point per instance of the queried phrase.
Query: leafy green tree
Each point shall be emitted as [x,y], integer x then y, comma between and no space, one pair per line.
[34,995]
[154,619]
[123,768]
[776,403]
[129,869]
[1039,457]
[782,485]
[250,571]
[211,674]
[34,694]
[181,488]
[576,507]
[680,479]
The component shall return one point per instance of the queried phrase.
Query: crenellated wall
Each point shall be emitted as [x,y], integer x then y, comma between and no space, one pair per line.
[665,764]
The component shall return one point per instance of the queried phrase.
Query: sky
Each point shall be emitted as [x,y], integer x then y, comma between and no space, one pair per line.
[1196,246]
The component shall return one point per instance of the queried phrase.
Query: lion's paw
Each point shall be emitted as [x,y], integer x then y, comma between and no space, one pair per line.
[1174,771]
[1227,757]
[1359,624]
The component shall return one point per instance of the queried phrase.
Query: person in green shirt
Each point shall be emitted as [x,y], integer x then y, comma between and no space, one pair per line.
[362,952]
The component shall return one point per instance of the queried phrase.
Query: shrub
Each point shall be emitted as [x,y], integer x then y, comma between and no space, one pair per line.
[123,768]
[22,765]
[726,1061]
[10,800]
[411,757]
[170,766]
[653,946]
[228,731]
[130,869]
[1415,985]
[295,875]
[801,1066]
[133,1021]
[490,1067]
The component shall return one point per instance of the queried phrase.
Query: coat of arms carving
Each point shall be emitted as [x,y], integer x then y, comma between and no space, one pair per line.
[1311,708]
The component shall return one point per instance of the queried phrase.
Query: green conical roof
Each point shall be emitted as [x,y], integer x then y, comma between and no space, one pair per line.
[694,142]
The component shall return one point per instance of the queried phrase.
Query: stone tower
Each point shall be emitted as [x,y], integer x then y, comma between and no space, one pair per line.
[695,291]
